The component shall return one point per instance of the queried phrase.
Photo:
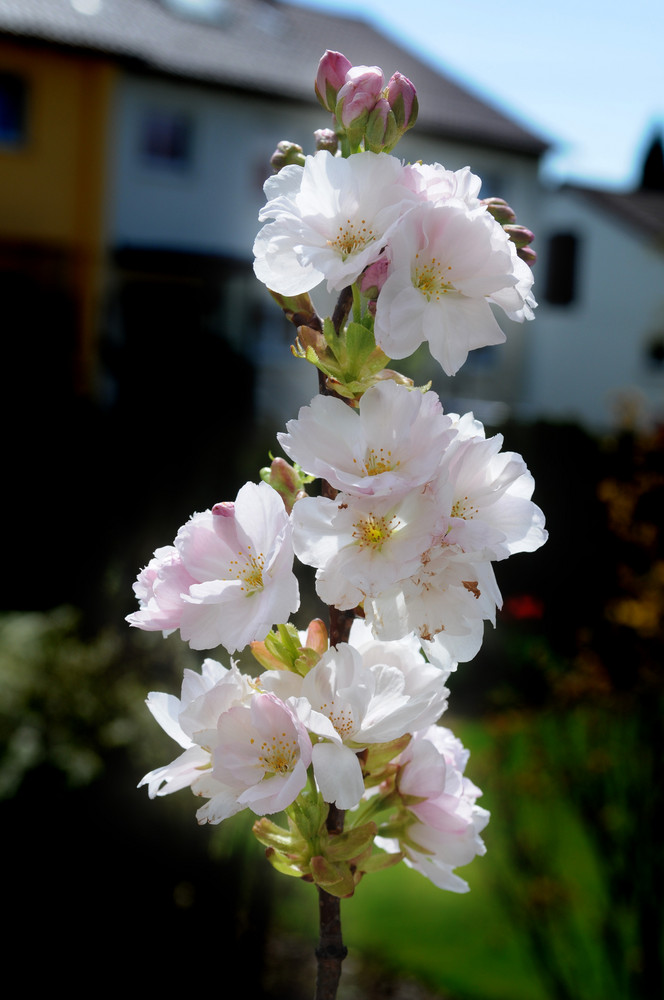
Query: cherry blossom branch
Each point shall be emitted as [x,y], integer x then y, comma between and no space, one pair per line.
[331,950]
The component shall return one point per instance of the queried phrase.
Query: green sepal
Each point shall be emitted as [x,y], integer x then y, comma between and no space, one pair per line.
[298,309]
[307,814]
[305,661]
[380,860]
[282,865]
[351,360]
[276,838]
[378,758]
[337,879]
[351,844]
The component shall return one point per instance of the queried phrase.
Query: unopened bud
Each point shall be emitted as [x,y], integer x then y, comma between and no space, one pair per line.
[402,98]
[285,153]
[224,509]
[283,478]
[519,235]
[327,139]
[317,637]
[528,255]
[380,131]
[358,96]
[330,78]
[373,277]
[500,210]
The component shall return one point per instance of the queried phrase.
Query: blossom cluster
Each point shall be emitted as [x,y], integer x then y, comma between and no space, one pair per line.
[426,503]
[439,259]
[248,743]
[411,509]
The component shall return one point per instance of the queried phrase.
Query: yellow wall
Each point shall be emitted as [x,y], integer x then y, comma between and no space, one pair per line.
[53,185]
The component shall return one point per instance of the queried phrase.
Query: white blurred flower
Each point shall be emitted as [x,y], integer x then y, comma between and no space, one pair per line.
[436,184]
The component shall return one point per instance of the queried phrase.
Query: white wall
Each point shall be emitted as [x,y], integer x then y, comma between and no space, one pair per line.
[587,355]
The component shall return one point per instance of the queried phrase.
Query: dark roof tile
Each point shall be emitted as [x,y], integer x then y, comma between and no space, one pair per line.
[264,46]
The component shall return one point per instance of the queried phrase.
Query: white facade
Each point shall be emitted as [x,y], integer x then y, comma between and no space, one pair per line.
[206,200]
[590,358]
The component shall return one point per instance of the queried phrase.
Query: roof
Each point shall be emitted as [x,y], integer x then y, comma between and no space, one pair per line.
[262,46]
[641,210]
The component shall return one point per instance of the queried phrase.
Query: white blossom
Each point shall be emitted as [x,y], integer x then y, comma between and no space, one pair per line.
[392,444]
[330,220]
[445,823]
[191,721]
[447,265]
[229,576]
[349,702]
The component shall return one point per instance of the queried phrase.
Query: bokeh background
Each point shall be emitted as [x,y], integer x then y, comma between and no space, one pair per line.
[146,373]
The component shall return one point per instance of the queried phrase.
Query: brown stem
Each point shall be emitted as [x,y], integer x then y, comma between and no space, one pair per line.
[342,308]
[331,950]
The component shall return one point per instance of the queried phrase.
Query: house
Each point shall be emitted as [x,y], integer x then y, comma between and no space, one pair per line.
[135,137]
[201,92]
[597,348]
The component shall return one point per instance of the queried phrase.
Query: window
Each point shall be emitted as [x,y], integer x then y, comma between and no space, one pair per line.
[166,139]
[655,353]
[13,109]
[561,274]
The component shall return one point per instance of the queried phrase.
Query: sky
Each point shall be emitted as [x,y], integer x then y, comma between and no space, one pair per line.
[587,76]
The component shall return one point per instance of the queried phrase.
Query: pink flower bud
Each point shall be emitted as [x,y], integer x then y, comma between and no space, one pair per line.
[331,76]
[500,210]
[374,277]
[528,255]
[224,509]
[317,637]
[283,478]
[519,235]
[359,95]
[326,138]
[402,98]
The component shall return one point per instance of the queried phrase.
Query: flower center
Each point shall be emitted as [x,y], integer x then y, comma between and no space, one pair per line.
[462,508]
[352,237]
[372,531]
[379,461]
[341,718]
[432,278]
[278,755]
[248,567]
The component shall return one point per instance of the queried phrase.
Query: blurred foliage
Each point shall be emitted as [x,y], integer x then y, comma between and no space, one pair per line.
[575,767]
[67,699]
[562,711]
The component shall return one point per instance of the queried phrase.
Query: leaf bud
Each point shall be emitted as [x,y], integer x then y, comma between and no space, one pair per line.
[528,255]
[286,152]
[327,139]
[500,210]
[519,235]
